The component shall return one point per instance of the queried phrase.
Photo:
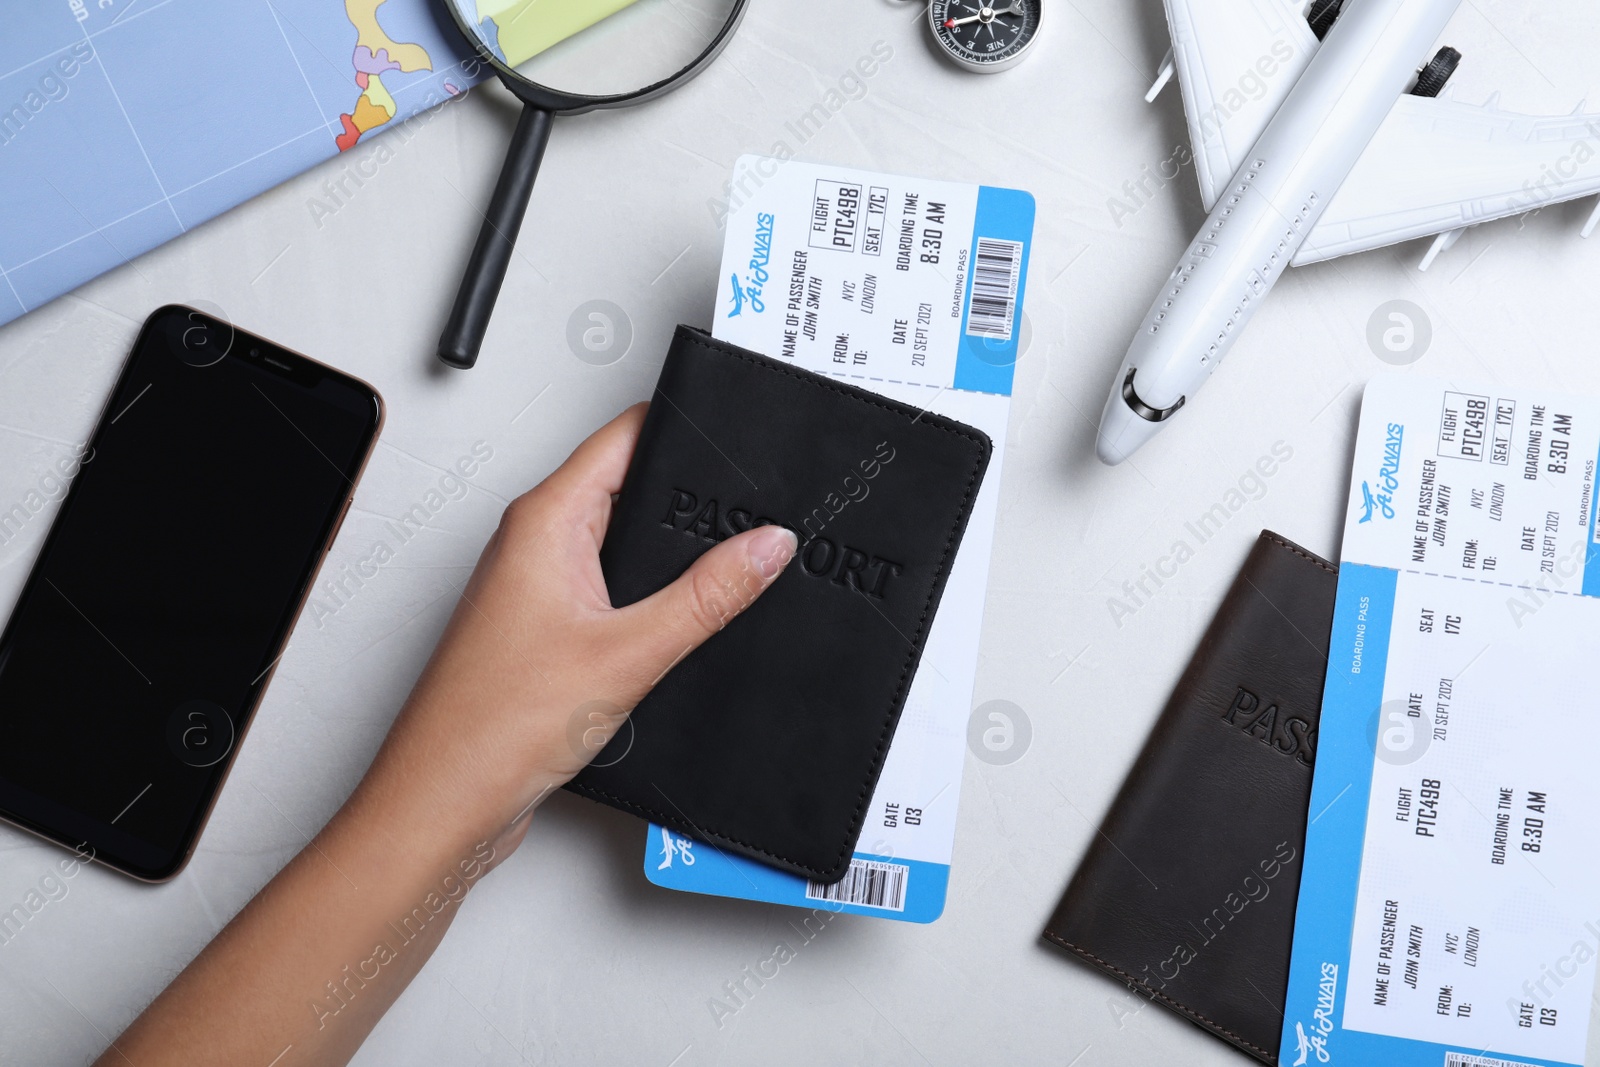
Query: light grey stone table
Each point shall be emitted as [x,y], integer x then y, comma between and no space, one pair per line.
[566,955]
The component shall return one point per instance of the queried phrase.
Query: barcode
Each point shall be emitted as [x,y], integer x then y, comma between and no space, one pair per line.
[867,882]
[995,270]
[1463,1059]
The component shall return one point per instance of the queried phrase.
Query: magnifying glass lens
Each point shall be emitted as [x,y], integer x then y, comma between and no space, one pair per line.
[595,47]
[566,57]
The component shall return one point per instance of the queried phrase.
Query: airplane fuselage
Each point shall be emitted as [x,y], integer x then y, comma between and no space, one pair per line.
[1263,215]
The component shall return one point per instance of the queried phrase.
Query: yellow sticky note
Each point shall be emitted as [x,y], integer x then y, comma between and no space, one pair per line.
[527,27]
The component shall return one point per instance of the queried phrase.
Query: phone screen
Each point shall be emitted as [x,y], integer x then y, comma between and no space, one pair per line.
[143,638]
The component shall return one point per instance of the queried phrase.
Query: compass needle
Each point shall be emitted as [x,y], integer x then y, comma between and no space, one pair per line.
[960,30]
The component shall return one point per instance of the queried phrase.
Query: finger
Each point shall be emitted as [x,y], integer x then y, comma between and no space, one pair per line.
[578,493]
[597,466]
[672,622]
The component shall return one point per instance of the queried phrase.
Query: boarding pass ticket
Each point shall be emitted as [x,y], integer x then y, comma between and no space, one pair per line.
[913,289]
[1449,909]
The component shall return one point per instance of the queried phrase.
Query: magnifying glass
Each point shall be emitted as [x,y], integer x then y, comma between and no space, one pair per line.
[565,57]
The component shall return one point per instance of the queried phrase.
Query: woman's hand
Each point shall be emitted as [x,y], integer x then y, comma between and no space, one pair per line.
[537,670]
[534,673]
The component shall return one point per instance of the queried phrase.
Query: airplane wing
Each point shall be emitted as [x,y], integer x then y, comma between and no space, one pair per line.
[1236,61]
[1437,166]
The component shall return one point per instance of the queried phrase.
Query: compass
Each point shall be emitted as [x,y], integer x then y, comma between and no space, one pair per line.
[981,37]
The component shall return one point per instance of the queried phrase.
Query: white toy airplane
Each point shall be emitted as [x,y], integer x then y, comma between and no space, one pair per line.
[1311,149]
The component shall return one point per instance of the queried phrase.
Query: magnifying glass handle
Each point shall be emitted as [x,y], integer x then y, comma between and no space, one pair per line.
[486,270]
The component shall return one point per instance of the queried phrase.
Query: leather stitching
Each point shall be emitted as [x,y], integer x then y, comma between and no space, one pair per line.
[1268,535]
[1139,984]
[879,752]
[1189,1013]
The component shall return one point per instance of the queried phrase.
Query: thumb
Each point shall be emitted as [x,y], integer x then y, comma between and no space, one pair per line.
[669,624]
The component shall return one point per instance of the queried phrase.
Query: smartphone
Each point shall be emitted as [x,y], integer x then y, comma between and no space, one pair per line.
[143,639]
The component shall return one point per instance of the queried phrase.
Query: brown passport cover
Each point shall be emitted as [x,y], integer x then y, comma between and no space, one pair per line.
[1187,892]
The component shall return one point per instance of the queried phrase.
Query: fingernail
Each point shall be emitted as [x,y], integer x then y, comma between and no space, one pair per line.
[771,548]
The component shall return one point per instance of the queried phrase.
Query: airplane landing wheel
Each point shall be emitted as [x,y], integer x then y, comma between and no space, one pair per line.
[1433,76]
[1321,16]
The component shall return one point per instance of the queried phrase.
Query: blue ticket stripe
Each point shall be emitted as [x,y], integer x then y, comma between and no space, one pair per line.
[716,872]
[1358,1049]
[1319,968]
[1591,558]
[985,364]
[1357,653]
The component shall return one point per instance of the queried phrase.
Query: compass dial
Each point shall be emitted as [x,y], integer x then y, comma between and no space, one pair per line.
[983,37]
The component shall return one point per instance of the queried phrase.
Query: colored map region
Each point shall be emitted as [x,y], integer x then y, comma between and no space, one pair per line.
[376,54]
[100,104]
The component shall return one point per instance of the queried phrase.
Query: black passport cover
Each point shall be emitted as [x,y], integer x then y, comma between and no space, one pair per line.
[768,739]
[1187,892]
